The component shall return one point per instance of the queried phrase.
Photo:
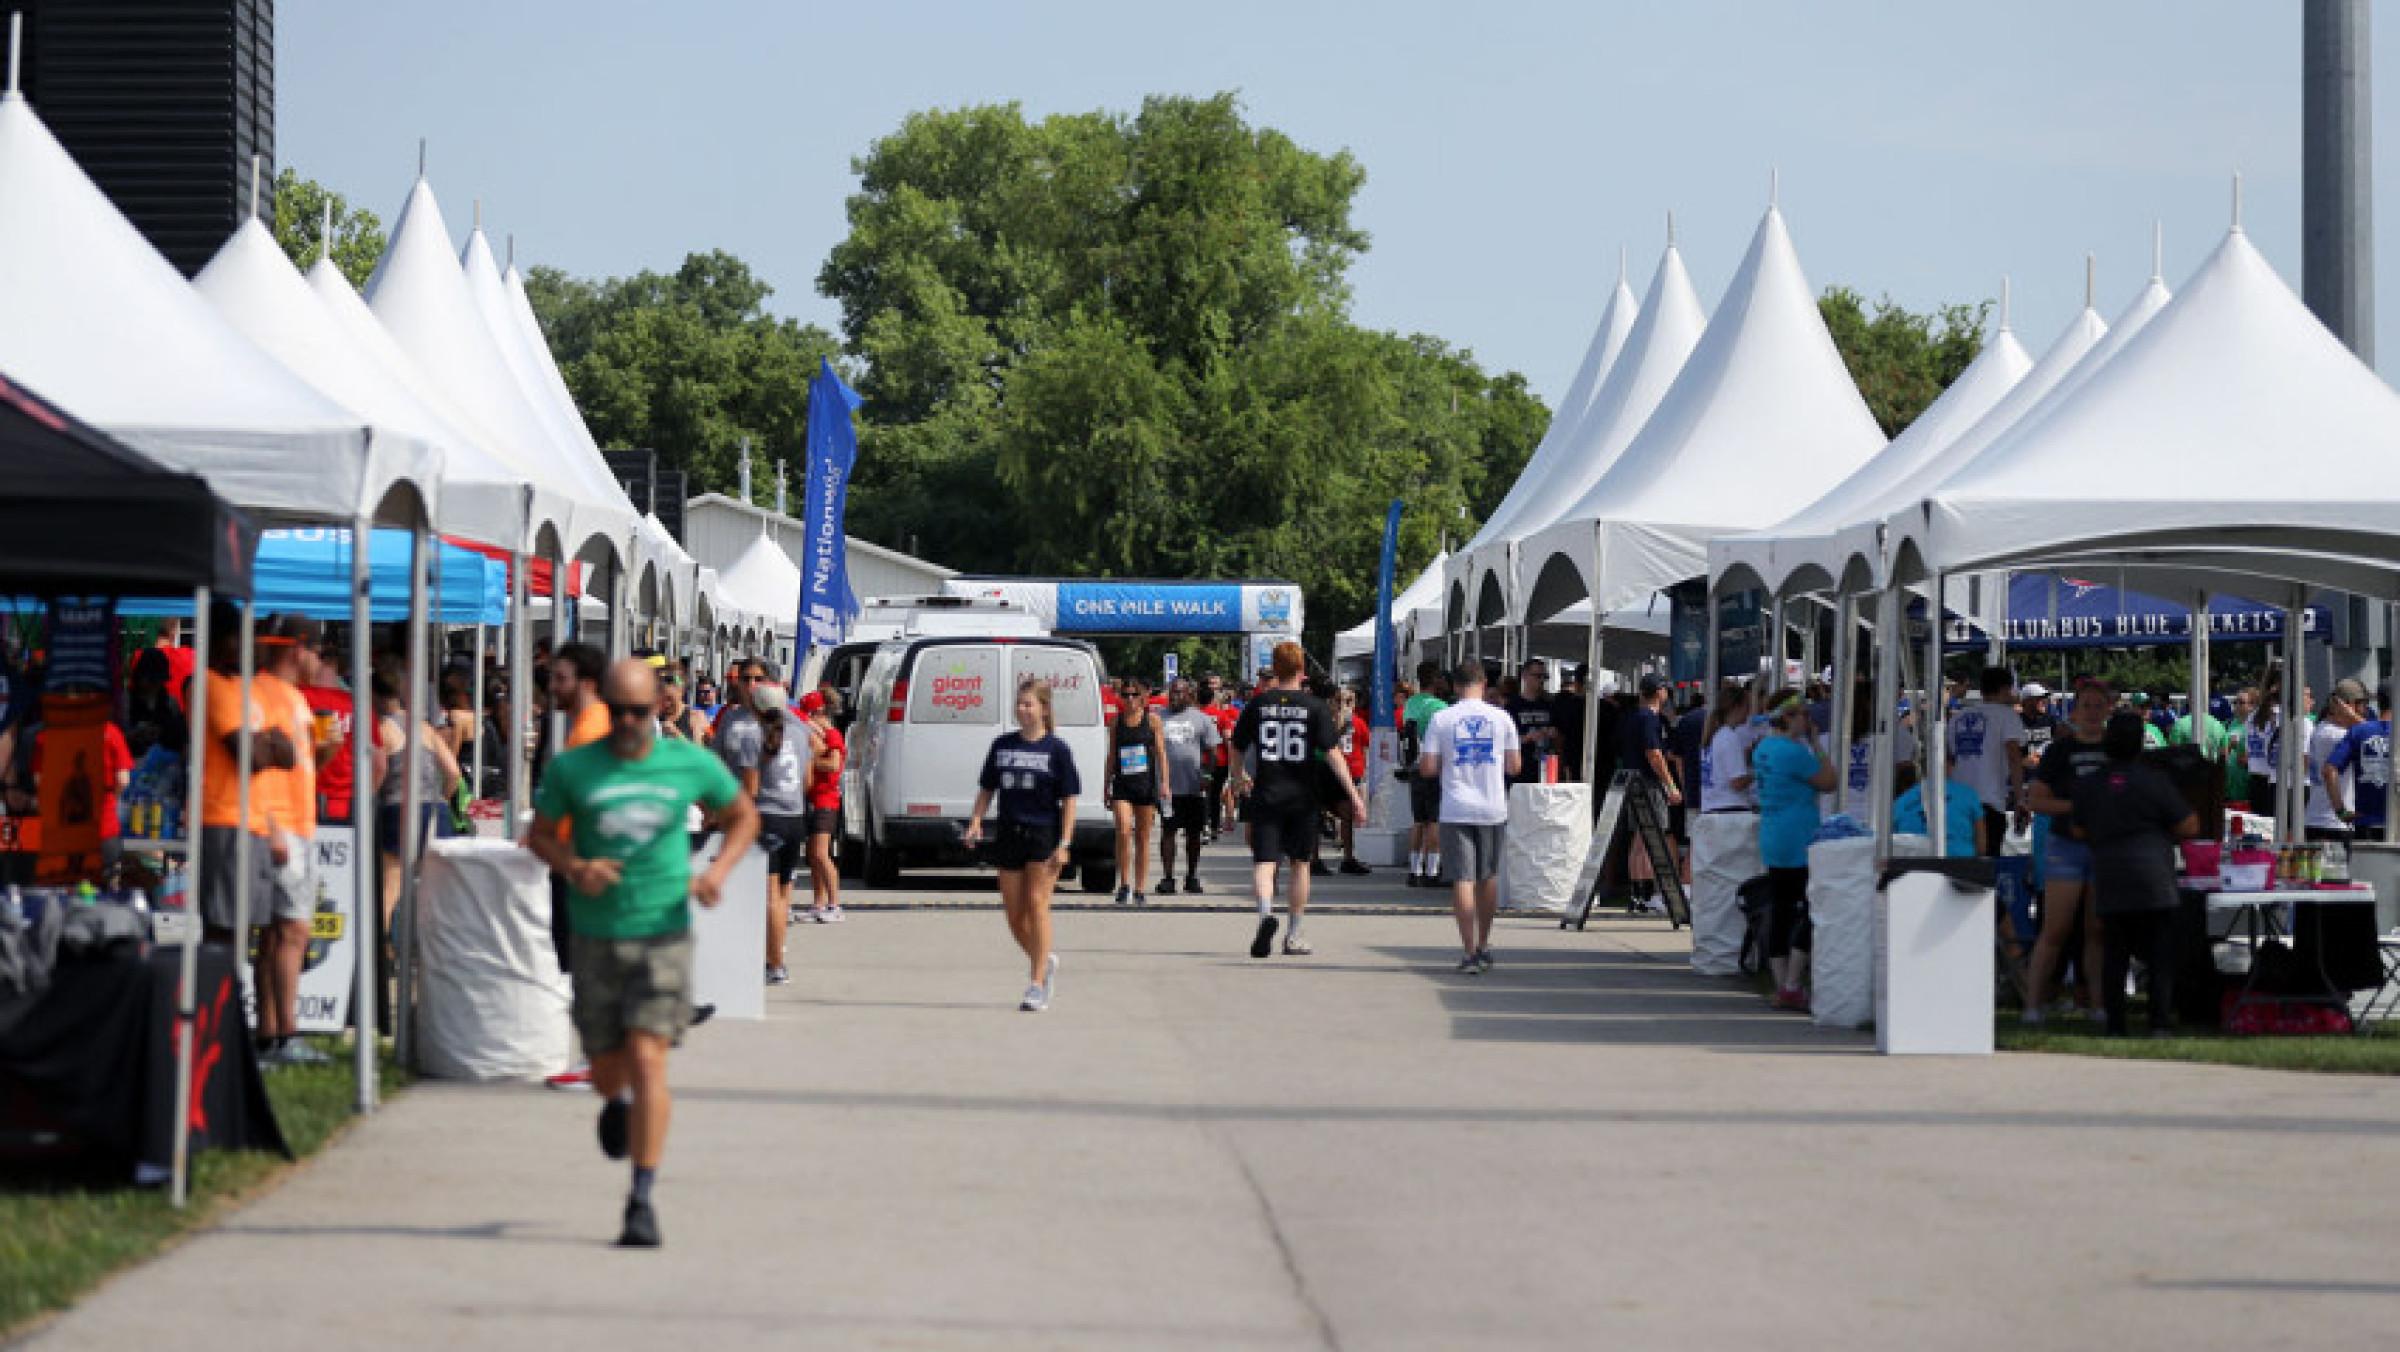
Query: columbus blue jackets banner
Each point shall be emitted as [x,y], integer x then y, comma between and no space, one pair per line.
[826,603]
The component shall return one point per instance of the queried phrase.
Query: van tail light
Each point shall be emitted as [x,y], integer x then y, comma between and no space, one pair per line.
[899,712]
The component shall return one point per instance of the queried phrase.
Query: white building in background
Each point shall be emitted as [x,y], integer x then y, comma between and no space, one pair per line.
[718,529]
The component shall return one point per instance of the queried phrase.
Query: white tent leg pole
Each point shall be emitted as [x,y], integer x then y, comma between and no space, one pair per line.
[1936,731]
[1888,638]
[366,864]
[187,998]
[244,767]
[520,691]
[2199,676]
[1591,685]
[1809,653]
[475,713]
[1844,697]
[1775,646]
[2292,745]
[1711,673]
[412,808]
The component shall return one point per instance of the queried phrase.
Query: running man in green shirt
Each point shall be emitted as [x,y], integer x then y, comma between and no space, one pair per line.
[610,820]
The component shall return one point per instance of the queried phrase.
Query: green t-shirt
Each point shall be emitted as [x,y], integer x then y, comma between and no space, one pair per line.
[1420,710]
[2217,737]
[633,812]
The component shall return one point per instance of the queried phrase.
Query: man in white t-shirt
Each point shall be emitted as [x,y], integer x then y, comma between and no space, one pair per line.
[1987,750]
[1472,749]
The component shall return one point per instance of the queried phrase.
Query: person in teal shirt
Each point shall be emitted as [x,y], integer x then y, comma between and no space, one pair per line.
[609,818]
[1962,815]
[1787,774]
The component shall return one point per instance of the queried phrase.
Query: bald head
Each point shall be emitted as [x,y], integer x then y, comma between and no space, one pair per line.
[630,681]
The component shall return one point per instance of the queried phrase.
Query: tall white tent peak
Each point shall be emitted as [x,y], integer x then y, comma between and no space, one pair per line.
[2237,201]
[1774,189]
[16,43]
[2004,304]
[2158,250]
[420,159]
[1670,227]
[2091,279]
[1620,265]
[325,233]
[257,166]
[1763,414]
[2235,369]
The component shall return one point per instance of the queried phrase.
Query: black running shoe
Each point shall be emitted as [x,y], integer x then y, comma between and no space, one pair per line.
[1265,942]
[1166,887]
[1317,869]
[1191,887]
[615,1132]
[641,1226]
[1355,869]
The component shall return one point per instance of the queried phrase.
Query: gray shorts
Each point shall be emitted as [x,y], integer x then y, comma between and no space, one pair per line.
[1471,854]
[298,901]
[217,877]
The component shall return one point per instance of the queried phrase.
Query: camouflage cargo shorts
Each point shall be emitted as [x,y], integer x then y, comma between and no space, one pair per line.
[631,985]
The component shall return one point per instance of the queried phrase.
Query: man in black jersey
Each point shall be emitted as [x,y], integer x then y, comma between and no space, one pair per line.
[1294,734]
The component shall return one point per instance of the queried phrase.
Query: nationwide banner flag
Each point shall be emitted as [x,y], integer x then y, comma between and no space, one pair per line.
[1379,685]
[826,603]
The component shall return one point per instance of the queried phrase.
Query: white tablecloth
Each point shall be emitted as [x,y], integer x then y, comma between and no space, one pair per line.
[491,1002]
[1549,829]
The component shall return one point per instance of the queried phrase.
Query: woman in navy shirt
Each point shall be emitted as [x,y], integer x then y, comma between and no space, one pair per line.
[1032,773]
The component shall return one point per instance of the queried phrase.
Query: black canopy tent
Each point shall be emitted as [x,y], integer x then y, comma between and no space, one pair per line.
[84,514]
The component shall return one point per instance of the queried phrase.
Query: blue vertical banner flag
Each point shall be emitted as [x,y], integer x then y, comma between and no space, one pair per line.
[826,603]
[1379,686]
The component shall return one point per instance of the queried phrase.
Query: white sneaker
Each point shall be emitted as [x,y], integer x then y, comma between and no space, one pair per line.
[1036,1000]
[1050,975]
[833,914]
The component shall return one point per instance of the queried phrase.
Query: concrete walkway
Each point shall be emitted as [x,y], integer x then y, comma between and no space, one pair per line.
[1587,1147]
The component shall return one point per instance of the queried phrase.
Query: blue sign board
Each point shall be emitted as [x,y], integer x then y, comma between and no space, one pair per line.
[1149,608]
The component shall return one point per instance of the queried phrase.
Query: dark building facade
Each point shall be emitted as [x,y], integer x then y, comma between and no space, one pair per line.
[163,103]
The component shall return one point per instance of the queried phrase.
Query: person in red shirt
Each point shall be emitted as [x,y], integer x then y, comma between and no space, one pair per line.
[1214,703]
[1354,749]
[180,659]
[335,710]
[821,708]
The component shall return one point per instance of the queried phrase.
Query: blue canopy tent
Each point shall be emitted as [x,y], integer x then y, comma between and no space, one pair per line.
[307,572]
[2048,611]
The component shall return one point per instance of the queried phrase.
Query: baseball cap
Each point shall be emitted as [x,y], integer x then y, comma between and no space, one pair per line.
[767,697]
[2034,690]
[2350,691]
[812,703]
[1651,685]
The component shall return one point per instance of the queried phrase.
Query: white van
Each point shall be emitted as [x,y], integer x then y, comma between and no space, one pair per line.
[927,711]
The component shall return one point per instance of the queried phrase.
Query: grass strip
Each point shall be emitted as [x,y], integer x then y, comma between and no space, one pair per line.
[61,1237]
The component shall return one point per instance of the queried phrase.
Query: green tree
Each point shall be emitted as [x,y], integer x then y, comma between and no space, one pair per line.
[1902,361]
[687,363]
[300,207]
[1137,328]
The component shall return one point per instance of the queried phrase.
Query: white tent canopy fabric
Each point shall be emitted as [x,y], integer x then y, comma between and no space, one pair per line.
[256,288]
[1662,338]
[97,321]
[765,583]
[2151,453]
[1803,552]
[419,293]
[1763,414]
[1533,482]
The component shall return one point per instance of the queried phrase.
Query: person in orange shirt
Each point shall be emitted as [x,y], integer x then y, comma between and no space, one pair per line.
[575,674]
[291,795]
[236,715]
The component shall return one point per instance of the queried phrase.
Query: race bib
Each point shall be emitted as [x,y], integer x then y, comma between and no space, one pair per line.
[1133,760]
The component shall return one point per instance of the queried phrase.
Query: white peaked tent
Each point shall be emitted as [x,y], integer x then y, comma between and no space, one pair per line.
[258,291]
[1418,597]
[765,583]
[420,296]
[1608,341]
[2209,441]
[1763,415]
[528,358]
[97,321]
[2085,346]
[1486,586]
[1803,552]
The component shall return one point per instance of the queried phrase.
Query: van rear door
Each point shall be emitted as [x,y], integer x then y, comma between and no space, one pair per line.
[1074,679]
[957,703]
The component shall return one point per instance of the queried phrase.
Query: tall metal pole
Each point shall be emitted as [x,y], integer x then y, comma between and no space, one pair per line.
[1889,626]
[188,995]
[412,804]
[2337,227]
[1935,730]
[366,913]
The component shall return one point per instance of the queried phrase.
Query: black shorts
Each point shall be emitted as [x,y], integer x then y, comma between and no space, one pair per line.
[1425,800]
[1189,812]
[824,821]
[1139,790]
[1016,844]
[1282,835]
[785,839]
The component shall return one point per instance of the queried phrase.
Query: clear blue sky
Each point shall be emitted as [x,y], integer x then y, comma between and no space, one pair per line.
[1511,149]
